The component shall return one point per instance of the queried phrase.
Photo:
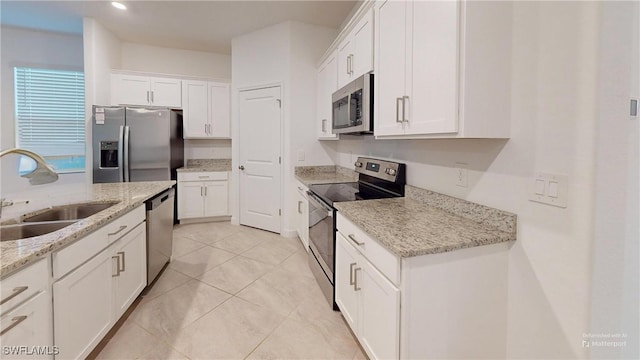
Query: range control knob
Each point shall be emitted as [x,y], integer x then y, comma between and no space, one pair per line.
[358,164]
[390,171]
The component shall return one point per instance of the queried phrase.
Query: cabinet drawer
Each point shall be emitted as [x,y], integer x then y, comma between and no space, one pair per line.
[23,284]
[82,250]
[387,263]
[203,176]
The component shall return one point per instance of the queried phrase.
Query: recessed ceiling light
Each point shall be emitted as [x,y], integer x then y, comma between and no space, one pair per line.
[118,5]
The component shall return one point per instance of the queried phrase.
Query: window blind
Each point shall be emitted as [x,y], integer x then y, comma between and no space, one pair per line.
[49,109]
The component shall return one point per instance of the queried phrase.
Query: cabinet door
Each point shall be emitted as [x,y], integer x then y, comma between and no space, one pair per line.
[216,199]
[195,109]
[190,200]
[83,306]
[347,294]
[390,67]
[363,46]
[327,85]
[345,68]
[432,76]
[219,110]
[131,259]
[166,92]
[130,90]
[29,325]
[380,314]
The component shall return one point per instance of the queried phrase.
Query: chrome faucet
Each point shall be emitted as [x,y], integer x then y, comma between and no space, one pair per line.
[43,173]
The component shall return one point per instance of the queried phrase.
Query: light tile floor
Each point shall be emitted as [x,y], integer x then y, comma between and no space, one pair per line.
[233,292]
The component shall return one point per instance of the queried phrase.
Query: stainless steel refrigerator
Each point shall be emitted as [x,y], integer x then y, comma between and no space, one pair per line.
[136,144]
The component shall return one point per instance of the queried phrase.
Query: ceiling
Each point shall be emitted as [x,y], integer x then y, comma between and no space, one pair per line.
[192,25]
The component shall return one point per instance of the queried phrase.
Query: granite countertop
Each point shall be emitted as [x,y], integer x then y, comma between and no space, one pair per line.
[425,222]
[310,175]
[195,165]
[17,253]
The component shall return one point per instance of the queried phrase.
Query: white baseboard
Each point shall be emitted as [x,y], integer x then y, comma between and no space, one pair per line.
[205,219]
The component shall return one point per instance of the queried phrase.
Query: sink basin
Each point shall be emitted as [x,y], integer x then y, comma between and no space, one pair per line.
[27,230]
[69,212]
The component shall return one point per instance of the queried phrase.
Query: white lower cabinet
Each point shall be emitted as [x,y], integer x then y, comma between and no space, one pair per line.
[203,194]
[91,298]
[435,306]
[368,301]
[26,324]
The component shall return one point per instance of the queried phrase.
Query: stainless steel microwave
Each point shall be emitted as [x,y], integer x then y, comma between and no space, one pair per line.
[352,110]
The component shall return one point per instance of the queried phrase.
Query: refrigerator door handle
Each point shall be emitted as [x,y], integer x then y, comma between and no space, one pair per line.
[120,154]
[126,154]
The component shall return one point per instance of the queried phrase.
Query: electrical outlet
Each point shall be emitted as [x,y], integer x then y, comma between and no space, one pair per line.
[462,176]
[300,155]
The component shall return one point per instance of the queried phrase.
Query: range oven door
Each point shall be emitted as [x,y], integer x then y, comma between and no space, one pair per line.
[322,233]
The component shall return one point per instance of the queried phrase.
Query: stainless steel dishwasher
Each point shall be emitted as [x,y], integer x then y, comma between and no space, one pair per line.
[159,232]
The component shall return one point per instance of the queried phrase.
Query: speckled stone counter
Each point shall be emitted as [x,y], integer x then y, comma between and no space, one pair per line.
[309,175]
[195,165]
[17,253]
[425,222]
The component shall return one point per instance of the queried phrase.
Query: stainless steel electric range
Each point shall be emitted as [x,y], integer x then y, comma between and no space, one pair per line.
[377,179]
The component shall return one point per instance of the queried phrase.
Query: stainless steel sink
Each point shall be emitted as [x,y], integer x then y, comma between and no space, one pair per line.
[28,230]
[69,212]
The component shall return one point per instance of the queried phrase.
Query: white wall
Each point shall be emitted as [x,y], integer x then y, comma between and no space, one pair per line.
[155,59]
[283,54]
[101,54]
[554,88]
[24,47]
[139,57]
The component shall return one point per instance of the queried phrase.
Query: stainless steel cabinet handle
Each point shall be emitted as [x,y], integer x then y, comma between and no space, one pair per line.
[147,95]
[353,238]
[117,259]
[299,207]
[241,167]
[205,191]
[351,282]
[14,322]
[348,61]
[355,279]
[324,125]
[405,117]
[398,101]
[16,291]
[152,96]
[201,191]
[301,189]
[124,264]
[119,230]
[203,176]
[351,64]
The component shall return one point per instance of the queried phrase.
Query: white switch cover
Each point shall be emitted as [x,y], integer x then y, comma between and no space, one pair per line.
[300,155]
[462,176]
[549,189]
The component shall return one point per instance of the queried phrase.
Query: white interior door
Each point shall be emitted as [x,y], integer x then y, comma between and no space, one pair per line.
[259,114]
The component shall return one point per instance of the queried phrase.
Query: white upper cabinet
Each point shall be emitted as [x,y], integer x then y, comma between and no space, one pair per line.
[145,90]
[442,69]
[355,52]
[206,109]
[327,84]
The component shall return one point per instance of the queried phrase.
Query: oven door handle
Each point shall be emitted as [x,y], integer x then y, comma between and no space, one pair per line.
[318,202]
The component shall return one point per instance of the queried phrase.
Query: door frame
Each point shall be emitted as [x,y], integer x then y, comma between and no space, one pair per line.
[239,142]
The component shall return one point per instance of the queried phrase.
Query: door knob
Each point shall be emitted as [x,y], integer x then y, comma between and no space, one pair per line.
[241,167]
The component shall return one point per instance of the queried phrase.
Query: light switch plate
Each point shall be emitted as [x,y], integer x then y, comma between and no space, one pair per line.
[300,155]
[551,189]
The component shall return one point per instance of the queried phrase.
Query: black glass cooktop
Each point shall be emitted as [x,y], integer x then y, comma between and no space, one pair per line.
[350,191]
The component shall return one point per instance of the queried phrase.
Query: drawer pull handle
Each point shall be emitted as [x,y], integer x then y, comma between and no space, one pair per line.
[355,279]
[351,282]
[203,177]
[14,322]
[353,238]
[119,230]
[16,292]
